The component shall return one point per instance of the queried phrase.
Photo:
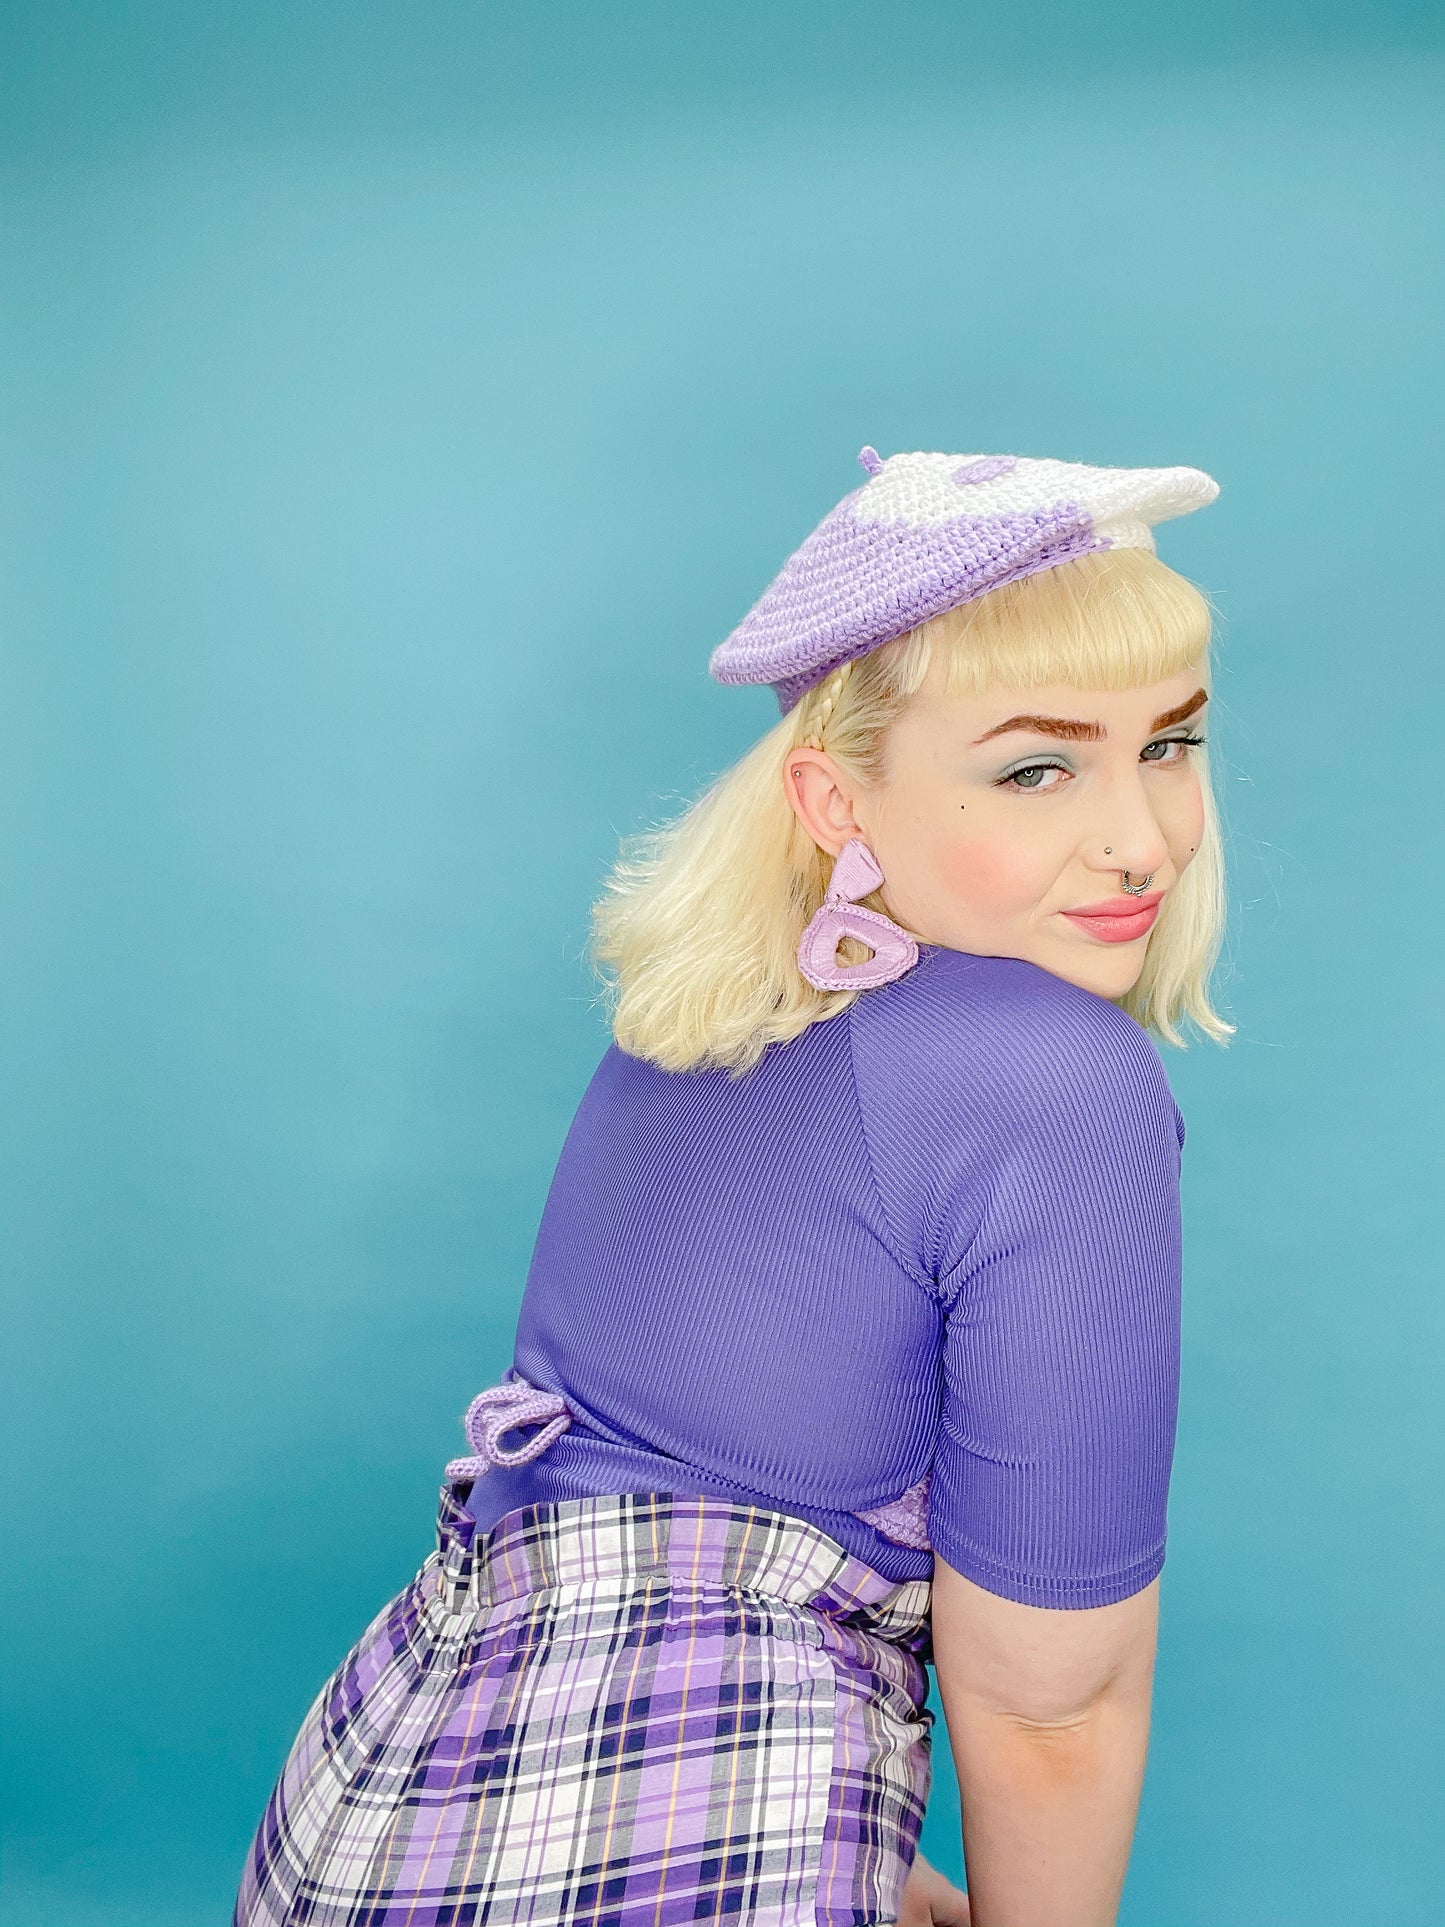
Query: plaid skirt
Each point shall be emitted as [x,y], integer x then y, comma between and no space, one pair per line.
[612,1711]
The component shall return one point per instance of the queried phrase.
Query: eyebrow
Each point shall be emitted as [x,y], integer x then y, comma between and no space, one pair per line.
[1076,732]
[1181,712]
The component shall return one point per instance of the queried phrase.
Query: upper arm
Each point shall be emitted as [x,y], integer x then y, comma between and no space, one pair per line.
[1025,1147]
[1061,1339]
[1037,1665]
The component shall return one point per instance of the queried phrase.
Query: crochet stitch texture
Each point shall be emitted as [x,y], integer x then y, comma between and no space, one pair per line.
[928,532]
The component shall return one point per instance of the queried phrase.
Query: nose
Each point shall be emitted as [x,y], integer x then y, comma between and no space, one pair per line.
[1126,834]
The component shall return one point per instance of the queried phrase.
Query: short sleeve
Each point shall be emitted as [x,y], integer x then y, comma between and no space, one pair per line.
[1040,1197]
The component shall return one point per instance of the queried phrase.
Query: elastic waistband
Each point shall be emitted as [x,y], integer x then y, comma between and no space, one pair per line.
[613,1544]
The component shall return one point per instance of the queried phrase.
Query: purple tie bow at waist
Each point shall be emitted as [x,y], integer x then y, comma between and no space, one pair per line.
[509,1407]
[514,1405]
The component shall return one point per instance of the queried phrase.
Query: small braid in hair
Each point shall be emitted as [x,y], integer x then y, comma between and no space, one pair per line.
[825,701]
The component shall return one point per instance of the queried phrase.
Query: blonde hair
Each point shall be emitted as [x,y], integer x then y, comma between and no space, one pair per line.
[696,934]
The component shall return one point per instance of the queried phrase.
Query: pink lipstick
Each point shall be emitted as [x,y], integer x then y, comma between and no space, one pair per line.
[1118,919]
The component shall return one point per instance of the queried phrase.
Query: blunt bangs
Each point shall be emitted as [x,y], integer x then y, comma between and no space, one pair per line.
[1116,619]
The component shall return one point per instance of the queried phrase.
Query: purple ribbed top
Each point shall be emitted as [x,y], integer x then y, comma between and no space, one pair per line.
[937,1233]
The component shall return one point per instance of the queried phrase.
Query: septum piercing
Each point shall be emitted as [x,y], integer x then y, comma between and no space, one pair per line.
[1130,889]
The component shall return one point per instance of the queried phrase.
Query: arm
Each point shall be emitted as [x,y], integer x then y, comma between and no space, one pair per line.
[1048,1716]
[1061,1363]
[1030,1158]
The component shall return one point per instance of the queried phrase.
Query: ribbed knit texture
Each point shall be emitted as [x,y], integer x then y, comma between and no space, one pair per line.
[940,1231]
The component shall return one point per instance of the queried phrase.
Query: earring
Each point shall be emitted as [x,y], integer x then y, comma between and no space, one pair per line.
[855,874]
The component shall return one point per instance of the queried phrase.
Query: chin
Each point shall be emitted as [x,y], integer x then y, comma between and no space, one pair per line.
[1107,970]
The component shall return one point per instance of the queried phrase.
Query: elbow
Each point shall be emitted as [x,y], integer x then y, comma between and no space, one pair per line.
[1057,1732]
[1058,1753]
[1061,1737]
[1059,1714]
[1057,1707]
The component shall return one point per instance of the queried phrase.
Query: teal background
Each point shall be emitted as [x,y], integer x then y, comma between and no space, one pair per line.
[398,403]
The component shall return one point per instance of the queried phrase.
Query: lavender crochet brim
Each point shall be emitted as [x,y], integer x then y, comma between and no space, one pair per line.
[928,532]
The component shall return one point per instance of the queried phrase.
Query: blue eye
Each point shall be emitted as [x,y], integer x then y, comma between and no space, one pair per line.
[1016,779]
[1185,743]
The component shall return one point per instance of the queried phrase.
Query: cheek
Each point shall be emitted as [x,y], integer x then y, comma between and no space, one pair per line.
[1188,829]
[987,873]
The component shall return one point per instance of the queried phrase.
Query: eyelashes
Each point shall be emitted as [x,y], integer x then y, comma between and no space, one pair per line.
[1188,742]
[1008,780]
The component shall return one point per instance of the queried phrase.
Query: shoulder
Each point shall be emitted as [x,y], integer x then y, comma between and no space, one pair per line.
[1000,1037]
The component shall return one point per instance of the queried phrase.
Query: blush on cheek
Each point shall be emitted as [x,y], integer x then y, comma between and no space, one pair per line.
[983,873]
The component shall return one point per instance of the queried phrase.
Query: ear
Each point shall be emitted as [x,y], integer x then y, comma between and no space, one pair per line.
[821,796]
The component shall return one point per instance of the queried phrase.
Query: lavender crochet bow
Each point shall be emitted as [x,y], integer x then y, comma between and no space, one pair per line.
[511,1406]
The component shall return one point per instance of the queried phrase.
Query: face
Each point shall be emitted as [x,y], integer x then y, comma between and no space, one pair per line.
[1007,819]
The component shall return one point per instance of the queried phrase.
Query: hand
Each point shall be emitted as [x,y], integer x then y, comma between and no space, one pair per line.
[931,1901]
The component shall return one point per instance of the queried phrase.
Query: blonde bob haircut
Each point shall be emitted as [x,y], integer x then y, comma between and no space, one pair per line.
[697,931]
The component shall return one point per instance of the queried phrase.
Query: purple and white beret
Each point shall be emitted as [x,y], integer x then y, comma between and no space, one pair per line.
[927,532]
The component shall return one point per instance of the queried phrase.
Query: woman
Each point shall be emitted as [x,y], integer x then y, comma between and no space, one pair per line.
[851,1332]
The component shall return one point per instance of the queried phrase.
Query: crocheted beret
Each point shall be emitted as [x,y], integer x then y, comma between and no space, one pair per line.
[927,532]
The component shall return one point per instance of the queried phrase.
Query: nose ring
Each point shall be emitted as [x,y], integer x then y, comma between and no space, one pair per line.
[1134,889]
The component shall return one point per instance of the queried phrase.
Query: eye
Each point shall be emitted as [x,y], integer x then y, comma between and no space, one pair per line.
[1182,743]
[1029,778]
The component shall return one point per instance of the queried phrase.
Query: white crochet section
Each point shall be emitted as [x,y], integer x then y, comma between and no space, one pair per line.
[1122,502]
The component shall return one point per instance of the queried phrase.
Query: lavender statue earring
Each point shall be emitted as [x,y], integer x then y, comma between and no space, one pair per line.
[855,873]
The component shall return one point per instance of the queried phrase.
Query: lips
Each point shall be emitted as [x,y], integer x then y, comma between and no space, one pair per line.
[1118,919]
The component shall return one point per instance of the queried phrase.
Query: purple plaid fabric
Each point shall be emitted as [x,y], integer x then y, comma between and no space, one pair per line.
[612,1711]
